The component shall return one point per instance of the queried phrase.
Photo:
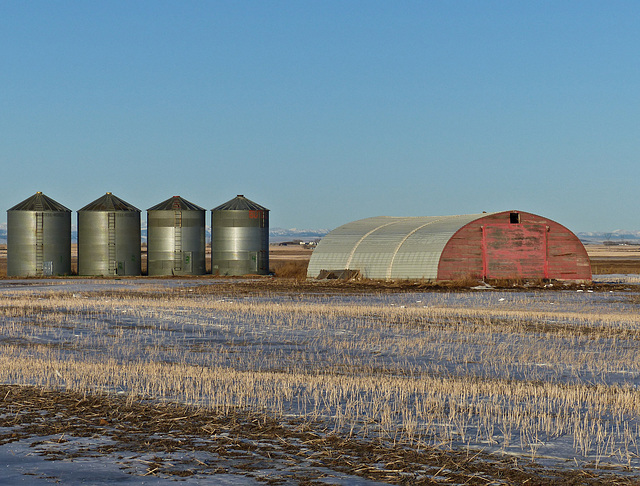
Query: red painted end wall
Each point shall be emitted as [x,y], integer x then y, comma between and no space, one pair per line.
[566,257]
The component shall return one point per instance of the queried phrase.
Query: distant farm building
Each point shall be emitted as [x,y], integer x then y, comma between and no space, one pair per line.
[501,245]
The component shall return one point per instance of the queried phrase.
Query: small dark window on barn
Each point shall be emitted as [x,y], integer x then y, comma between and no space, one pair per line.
[514,218]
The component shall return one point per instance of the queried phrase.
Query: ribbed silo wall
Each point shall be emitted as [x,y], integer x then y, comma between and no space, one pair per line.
[109,243]
[240,242]
[38,243]
[176,242]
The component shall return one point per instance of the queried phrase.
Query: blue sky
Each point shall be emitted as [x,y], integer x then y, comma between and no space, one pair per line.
[326,111]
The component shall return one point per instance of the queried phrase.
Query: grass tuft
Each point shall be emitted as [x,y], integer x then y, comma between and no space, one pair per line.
[296,269]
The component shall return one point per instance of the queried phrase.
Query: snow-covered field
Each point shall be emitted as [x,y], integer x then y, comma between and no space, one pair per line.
[546,376]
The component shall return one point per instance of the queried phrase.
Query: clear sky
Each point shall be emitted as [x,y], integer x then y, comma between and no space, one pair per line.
[327,111]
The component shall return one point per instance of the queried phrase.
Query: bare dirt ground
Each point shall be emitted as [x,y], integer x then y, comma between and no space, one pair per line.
[189,441]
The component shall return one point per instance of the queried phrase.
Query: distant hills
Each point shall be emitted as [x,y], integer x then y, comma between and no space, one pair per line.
[276,235]
[611,237]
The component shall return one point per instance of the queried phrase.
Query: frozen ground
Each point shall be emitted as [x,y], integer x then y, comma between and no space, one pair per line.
[24,462]
[549,376]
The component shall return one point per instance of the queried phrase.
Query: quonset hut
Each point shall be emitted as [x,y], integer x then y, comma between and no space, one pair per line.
[240,238]
[38,238]
[502,245]
[109,237]
[176,238]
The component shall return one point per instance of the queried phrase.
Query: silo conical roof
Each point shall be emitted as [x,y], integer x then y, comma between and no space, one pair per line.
[40,202]
[109,202]
[240,203]
[176,203]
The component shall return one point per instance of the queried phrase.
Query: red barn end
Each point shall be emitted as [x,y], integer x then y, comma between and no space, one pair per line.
[501,245]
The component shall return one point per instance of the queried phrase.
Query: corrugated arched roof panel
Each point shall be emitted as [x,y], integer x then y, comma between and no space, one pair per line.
[386,247]
[418,253]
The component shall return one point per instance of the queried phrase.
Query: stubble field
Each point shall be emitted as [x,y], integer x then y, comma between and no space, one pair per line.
[293,382]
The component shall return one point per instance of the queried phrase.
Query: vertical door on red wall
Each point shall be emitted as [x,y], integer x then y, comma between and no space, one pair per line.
[514,251]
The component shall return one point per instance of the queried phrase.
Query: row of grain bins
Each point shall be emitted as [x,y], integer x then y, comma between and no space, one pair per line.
[109,238]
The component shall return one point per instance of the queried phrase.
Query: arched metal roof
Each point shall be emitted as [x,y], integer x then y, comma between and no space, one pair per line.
[386,247]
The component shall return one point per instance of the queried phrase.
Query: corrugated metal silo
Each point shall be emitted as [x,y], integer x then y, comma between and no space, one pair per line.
[240,238]
[176,238]
[38,238]
[109,237]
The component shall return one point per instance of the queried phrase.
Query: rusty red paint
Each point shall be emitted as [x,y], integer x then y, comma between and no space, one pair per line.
[515,249]
[493,247]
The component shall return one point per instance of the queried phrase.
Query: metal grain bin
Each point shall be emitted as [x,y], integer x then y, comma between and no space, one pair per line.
[38,238]
[240,238]
[176,238]
[109,237]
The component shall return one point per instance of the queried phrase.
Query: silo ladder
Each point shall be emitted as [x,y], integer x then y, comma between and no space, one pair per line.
[39,243]
[111,230]
[177,245]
